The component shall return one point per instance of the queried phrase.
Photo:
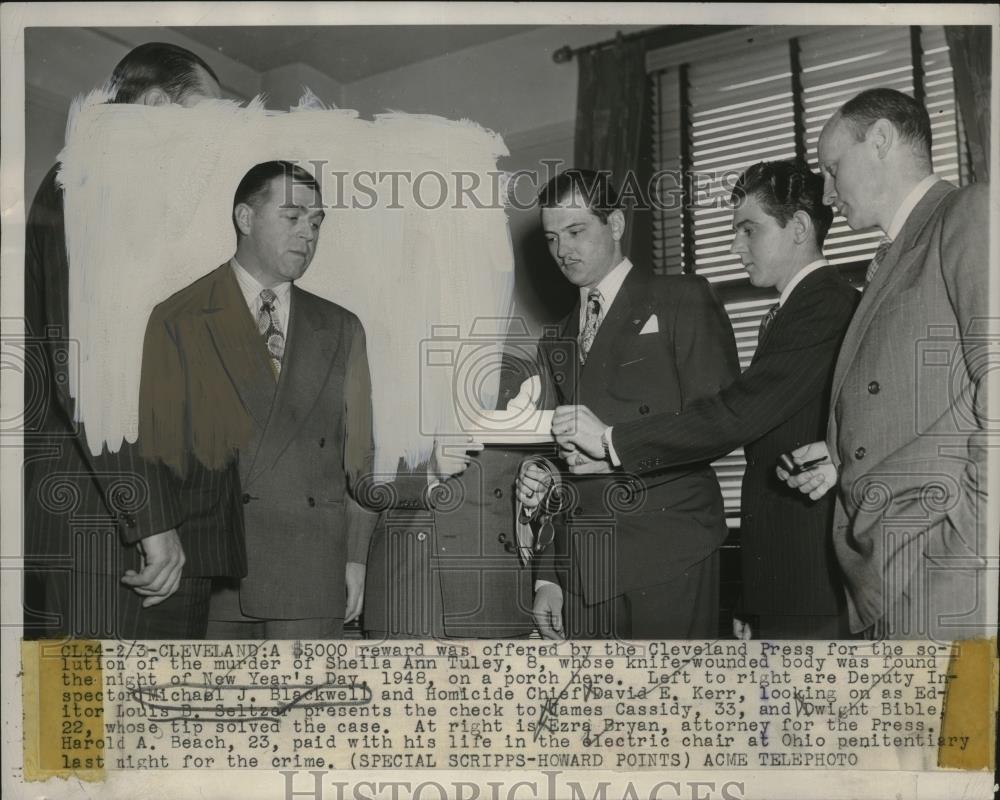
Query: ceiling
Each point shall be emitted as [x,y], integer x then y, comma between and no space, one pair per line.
[345,53]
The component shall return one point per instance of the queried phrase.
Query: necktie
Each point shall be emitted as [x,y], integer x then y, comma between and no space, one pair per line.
[883,247]
[592,323]
[765,323]
[268,327]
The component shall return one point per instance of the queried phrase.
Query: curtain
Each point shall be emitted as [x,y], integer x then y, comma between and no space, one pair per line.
[611,129]
[970,58]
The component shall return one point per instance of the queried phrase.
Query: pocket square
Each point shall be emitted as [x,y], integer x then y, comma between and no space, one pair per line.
[651,326]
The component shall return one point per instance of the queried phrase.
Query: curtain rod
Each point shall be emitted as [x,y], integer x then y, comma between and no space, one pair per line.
[566,53]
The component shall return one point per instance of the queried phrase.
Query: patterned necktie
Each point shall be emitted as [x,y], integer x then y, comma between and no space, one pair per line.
[268,327]
[592,323]
[765,323]
[883,247]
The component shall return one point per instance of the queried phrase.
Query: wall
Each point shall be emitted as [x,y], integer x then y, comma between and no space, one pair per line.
[511,86]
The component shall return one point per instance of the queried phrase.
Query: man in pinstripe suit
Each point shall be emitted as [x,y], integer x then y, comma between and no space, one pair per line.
[791,584]
[100,536]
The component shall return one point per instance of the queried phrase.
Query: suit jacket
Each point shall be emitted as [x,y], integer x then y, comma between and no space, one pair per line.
[778,404]
[907,424]
[209,398]
[71,496]
[445,565]
[624,531]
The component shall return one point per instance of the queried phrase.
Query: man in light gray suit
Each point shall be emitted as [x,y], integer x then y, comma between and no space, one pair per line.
[908,410]
[243,366]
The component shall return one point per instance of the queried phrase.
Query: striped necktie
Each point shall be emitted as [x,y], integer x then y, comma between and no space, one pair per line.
[267,324]
[883,247]
[592,323]
[765,323]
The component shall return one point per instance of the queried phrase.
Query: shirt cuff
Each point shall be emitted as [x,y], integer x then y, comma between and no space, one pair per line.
[615,461]
[541,582]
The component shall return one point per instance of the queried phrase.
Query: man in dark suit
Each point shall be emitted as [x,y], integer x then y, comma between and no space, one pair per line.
[243,367]
[450,569]
[791,582]
[636,556]
[908,411]
[100,536]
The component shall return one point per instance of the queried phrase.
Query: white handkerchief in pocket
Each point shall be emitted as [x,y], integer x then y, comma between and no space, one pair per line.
[651,326]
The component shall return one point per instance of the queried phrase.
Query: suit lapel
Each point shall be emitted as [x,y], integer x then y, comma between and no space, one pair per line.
[886,278]
[231,327]
[628,313]
[309,356]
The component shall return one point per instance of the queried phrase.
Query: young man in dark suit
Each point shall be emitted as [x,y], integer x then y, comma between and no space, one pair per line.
[100,536]
[791,584]
[636,556]
[244,368]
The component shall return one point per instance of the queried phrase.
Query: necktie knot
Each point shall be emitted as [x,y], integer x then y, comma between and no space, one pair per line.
[880,252]
[765,323]
[267,298]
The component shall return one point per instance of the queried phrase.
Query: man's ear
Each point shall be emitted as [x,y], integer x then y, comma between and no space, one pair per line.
[803,227]
[616,219]
[882,136]
[154,96]
[243,216]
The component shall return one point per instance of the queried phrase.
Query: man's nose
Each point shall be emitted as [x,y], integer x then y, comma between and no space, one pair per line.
[736,247]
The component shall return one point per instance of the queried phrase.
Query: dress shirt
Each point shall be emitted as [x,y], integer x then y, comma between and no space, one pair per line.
[252,288]
[903,212]
[608,287]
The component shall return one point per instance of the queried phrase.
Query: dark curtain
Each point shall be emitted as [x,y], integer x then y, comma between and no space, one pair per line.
[970,59]
[612,130]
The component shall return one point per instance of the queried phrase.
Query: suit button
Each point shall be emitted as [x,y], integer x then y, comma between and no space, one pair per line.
[502,537]
[643,409]
[873,387]
[558,377]
[322,441]
[311,501]
[422,535]
[860,453]
[498,493]
[246,498]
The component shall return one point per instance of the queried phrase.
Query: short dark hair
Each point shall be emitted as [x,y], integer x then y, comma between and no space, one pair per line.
[908,116]
[157,64]
[784,187]
[256,183]
[594,187]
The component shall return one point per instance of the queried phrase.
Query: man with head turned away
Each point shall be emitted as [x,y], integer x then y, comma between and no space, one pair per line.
[244,369]
[633,556]
[102,540]
[904,445]
[791,582]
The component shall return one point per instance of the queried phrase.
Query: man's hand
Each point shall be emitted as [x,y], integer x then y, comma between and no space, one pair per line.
[354,577]
[742,630]
[533,481]
[449,460]
[547,611]
[814,482]
[579,426]
[581,464]
[162,563]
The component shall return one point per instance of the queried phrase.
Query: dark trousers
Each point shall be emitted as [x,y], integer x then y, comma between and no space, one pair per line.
[687,607]
[98,606]
[314,628]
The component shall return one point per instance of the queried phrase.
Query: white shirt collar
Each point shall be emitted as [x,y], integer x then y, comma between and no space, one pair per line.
[798,276]
[903,212]
[608,287]
[251,289]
